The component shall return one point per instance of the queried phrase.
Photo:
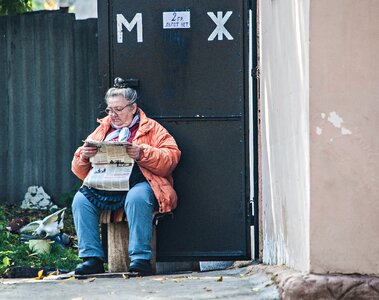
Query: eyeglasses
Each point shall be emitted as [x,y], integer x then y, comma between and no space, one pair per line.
[116,110]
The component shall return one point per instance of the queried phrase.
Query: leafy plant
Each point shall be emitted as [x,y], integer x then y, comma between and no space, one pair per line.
[5,263]
[12,7]
[15,253]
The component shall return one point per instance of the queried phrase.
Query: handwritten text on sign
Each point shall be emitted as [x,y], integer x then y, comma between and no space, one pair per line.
[176,19]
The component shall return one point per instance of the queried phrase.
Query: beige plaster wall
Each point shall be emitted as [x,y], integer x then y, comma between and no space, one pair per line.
[344,139]
[284,91]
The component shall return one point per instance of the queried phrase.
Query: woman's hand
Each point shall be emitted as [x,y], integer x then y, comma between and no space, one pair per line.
[88,151]
[134,151]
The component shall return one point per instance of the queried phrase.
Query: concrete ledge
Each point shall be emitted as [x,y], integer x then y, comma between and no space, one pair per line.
[331,286]
[297,285]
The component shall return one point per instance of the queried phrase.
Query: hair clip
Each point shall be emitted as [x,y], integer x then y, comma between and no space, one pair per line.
[120,83]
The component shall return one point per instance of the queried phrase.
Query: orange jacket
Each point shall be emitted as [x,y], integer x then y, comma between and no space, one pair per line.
[159,157]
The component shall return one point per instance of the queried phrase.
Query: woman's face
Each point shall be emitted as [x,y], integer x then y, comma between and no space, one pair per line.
[120,112]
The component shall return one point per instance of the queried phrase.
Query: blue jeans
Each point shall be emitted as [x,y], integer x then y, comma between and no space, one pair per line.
[139,205]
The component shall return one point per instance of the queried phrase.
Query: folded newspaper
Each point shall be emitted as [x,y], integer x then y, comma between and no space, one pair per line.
[104,143]
[111,166]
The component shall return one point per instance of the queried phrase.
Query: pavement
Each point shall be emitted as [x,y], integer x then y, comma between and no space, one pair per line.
[241,281]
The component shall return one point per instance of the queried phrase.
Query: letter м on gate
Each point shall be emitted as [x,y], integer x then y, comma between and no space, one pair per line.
[121,21]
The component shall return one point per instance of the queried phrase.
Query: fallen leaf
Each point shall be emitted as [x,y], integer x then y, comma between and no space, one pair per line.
[125,276]
[220,279]
[53,273]
[40,275]
[159,279]
[182,278]
[179,278]
[71,278]
[90,279]
[256,289]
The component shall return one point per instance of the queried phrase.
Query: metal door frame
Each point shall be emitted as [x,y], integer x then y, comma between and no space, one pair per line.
[254,73]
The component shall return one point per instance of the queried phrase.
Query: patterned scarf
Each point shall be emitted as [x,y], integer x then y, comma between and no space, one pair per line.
[123,134]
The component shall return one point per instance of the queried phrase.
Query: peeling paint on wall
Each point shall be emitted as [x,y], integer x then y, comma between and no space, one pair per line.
[335,119]
[345,131]
[275,251]
[318,130]
[323,115]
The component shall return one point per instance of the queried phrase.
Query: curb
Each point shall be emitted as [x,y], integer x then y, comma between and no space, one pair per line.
[297,285]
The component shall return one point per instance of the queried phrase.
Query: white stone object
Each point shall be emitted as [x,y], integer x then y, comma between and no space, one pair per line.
[36,198]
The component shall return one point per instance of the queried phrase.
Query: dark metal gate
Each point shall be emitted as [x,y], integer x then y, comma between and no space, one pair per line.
[190,58]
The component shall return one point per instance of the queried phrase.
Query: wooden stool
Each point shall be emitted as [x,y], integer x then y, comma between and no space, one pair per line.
[118,239]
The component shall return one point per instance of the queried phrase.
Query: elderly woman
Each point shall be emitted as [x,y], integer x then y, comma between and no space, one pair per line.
[156,155]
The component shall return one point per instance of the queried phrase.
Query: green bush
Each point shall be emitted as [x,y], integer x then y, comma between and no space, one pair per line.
[12,7]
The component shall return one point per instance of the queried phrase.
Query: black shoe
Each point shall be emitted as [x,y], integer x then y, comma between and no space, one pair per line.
[91,265]
[141,266]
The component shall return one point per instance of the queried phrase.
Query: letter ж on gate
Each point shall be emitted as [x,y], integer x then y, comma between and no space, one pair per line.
[121,21]
[220,29]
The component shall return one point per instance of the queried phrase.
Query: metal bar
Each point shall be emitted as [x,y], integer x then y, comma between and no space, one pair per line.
[198,118]
[246,170]
[201,256]
[255,128]
[252,217]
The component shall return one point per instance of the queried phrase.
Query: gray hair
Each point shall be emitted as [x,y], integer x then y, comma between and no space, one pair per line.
[128,93]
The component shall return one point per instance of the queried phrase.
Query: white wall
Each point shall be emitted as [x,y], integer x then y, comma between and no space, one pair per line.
[344,122]
[284,90]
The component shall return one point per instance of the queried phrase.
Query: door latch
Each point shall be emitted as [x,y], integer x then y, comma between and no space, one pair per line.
[132,82]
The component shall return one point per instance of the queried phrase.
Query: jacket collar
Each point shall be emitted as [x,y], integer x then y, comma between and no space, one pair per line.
[144,124]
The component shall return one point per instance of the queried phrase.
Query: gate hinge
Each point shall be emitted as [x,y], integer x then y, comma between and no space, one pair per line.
[251,214]
[255,72]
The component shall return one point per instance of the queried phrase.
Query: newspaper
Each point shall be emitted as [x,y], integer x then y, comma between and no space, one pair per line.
[111,166]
